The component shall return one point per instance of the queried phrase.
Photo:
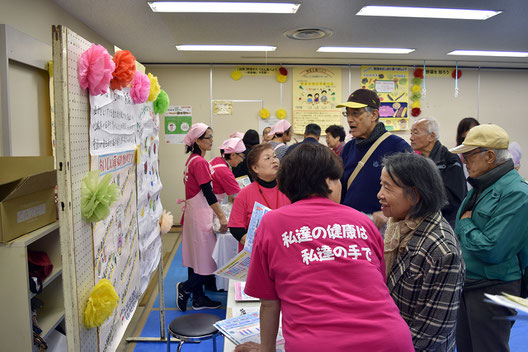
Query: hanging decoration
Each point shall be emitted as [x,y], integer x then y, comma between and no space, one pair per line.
[264,113]
[416,91]
[281,114]
[125,67]
[236,75]
[456,74]
[282,75]
[161,104]
[140,88]
[154,87]
[101,303]
[94,70]
[97,196]
[424,90]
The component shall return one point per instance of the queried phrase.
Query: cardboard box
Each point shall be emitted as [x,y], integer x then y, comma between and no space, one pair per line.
[27,195]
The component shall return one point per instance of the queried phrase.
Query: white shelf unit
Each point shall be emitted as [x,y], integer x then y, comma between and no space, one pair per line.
[16,327]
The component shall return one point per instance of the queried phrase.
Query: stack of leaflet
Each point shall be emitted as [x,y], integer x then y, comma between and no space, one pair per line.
[240,295]
[511,301]
[244,328]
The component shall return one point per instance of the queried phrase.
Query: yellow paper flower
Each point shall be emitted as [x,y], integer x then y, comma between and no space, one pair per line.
[154,87]
[416,88]
[281,78]
[101,303]
[281,114]
[264,113]
[416,104]
[236,75]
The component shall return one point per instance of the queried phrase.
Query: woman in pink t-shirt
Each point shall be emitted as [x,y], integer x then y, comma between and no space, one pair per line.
[198,236]
[321,264]
[263,165]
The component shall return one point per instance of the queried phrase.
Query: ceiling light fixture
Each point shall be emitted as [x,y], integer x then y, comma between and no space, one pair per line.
[193,47]
[426,12]
[489,53]
[342,49]
[223,7]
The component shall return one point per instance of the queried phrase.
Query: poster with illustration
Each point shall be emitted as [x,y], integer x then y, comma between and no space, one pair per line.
[178,120]
[392,85]
[116,248]
[148,193]
[316,91]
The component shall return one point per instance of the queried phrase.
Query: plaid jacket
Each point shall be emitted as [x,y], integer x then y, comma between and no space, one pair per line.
[426,283]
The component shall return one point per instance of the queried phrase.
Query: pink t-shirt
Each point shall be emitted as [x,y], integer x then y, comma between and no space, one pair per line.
[223,179]
[196,173]
[245,200]
[324,262]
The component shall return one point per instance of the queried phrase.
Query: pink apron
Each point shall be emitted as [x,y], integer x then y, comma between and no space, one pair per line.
[198,236]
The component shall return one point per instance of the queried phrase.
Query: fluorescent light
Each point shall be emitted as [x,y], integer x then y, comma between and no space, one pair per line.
[342,49]
[192,47]
[426,12]
[489,53]
[223,7]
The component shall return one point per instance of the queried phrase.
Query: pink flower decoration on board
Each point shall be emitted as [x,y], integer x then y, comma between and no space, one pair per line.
[95,69]
[140,88]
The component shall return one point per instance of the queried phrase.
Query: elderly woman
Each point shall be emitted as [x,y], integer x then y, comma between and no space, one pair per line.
[423,259]
[198,236]
[321,264]
[263,165]
[335,138]
[224,182]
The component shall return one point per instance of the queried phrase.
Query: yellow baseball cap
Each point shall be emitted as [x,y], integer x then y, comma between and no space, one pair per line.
[361,98]
[484,136]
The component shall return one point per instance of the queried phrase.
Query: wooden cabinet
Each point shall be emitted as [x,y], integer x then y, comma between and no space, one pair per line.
[16,328]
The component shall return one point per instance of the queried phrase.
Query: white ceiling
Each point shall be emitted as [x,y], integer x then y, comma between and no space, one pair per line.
[151,37]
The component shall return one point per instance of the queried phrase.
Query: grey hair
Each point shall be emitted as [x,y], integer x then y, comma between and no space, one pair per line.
[370,110]
[501,155]
[432,126]
[420,179]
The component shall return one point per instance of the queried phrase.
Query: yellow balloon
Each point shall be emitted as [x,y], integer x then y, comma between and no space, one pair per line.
[281,114]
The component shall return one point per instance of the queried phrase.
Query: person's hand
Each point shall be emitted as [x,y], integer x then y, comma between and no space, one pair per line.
[295,139]
[248,347]
[223,225]
[243,239]
[467,215]
[379,219]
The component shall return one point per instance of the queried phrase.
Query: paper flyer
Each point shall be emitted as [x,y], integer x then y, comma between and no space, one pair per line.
[244,328]
[256,215]
[243,181]
[240,295]
[178,120]
[236,268]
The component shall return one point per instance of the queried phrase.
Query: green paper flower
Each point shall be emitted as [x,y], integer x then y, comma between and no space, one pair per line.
[417,81]
[416,96]
[97,196]
[161,104]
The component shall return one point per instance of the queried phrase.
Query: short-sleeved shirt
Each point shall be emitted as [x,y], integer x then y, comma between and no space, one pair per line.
[197,172]
[223,178]
[324,262]
[245,200]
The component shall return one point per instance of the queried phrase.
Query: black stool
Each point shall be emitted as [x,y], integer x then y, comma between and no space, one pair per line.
[193,328]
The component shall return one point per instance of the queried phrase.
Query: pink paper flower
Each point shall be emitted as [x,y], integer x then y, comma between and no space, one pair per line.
[140,88]
[95,69]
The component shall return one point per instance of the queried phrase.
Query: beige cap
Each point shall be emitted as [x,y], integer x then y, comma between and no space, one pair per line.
[484,136]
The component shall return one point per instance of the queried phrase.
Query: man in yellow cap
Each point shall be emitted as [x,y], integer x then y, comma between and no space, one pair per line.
[362,156]
[492,228]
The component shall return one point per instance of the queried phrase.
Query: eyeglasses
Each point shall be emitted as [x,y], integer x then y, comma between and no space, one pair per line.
[468,155]
[355,112]
[210,137]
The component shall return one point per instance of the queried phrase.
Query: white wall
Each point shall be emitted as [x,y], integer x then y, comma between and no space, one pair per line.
[501,96]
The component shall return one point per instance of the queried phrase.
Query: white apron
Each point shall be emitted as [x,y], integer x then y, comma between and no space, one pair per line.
[198,236]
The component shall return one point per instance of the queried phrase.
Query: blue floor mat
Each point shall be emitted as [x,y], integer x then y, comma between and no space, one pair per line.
[152,329]
[176,274]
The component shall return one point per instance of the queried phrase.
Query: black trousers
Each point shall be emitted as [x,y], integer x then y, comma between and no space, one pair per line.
[478,329]
[194,284]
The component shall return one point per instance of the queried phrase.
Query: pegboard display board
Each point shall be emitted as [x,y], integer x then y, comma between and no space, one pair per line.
[73,162]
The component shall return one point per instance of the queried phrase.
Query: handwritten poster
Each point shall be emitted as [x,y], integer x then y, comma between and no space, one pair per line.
[392,85]
[116,247]
[316,91]
[112,122]
[178,120]
[148,193]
